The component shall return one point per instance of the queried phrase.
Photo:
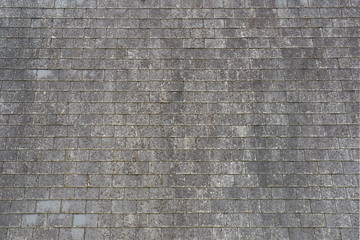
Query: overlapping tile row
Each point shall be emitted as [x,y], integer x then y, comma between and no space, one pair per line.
[179,119]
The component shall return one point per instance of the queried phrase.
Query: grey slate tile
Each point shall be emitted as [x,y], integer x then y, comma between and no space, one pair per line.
[179,119]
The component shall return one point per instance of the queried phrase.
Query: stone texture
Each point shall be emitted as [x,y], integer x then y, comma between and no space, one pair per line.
[179,119]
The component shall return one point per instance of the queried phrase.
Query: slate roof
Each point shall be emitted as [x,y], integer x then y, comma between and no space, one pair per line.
[179,119]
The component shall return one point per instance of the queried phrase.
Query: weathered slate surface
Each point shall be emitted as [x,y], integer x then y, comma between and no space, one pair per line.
[179,119]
